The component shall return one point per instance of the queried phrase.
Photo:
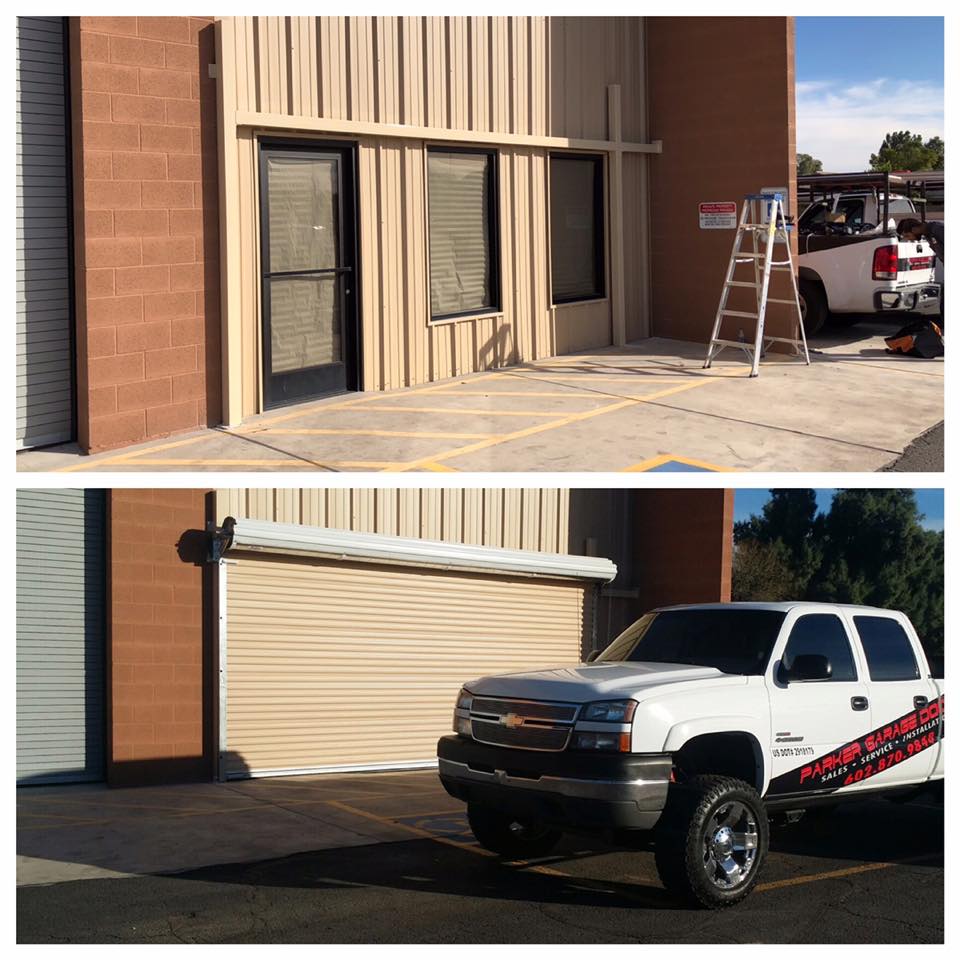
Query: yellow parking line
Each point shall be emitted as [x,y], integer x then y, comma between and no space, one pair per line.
[602,378]
[827,875]
[305,464]
[570,394]
[468,410]
[364,398]
[346,431]
[439,468]
[90,463]
[471,848]
[542,427]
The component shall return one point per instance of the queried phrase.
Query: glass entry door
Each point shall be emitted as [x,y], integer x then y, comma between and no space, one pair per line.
[307,256]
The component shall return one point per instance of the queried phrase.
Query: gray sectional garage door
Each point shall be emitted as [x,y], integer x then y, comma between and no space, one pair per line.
[44,348]
[60,635]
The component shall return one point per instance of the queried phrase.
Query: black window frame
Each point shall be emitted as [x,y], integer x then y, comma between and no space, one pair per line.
[846,636]
[866,652]
[599,225]
[493,230]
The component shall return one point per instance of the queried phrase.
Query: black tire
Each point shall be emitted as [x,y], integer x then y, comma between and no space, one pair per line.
[813,306]
[507,835]
[694,858]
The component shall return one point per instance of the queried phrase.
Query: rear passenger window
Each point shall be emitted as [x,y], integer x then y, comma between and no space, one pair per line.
[887,648]
[823,634]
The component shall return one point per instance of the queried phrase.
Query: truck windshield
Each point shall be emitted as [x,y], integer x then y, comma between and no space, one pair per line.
[732,641]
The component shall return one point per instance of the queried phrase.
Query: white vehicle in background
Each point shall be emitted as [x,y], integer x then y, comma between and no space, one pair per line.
[851,259]
[695,727]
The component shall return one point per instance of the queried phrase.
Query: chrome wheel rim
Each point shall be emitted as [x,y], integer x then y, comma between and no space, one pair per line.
[730,845]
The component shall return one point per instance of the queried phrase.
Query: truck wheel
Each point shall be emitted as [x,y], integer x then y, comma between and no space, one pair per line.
[813,306]
[508,836]
[712,840]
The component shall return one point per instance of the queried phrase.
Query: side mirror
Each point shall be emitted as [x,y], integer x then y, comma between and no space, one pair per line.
[807,666]
[592,655]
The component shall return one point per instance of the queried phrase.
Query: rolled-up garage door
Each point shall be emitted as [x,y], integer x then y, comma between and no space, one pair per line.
[345,665]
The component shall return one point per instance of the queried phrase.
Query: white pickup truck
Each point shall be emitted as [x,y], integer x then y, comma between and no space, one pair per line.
[851,259]
[695,727]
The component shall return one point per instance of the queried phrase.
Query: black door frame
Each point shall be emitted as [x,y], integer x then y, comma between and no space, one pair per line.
[300,381]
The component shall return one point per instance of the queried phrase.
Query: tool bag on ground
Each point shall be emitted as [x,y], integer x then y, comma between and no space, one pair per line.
[919,338]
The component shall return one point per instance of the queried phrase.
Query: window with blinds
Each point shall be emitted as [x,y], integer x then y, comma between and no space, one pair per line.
[576,227]
[463,233]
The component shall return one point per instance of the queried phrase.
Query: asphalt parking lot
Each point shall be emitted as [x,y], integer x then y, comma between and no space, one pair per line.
[647,407]
[400,866]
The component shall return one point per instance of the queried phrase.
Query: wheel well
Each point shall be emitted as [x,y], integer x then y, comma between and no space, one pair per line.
[736,754]
[805,273]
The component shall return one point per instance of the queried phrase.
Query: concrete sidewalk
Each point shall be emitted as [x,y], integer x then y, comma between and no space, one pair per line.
[645,407]
[92,832]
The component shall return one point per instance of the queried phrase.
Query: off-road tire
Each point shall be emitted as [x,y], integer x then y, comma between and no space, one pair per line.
[681,839]
[813,306]
[509,836]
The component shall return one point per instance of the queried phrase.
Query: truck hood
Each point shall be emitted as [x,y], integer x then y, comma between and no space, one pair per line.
[594,681]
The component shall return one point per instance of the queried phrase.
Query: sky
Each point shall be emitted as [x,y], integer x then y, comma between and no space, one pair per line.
[850,92]
[748,502]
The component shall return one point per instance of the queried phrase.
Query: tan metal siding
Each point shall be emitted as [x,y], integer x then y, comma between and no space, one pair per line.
[519,519]
[350,664]
[520,77]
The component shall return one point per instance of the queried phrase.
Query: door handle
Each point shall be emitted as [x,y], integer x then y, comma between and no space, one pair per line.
[859,703]
[919,701]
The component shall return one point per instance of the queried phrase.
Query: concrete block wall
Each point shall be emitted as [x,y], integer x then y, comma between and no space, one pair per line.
[158,725]
[685,547]
[721,98]
[146,231]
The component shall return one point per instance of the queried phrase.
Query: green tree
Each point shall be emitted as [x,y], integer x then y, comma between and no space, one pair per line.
[807,165]
[935,146]
[876,552]
[762,571]
[870,547]
[789,518]
[903,150]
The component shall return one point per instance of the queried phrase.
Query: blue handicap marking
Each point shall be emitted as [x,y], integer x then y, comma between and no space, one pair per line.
[453,826]
[676,466]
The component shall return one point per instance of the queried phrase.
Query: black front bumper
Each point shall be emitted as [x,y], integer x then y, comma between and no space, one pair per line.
[577,791]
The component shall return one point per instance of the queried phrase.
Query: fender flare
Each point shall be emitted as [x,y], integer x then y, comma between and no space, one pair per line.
[808,273]
[681,733]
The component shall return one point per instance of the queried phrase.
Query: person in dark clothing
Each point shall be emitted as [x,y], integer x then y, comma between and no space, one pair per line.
[912,229]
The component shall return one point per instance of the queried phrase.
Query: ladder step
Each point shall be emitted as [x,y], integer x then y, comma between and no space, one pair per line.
[789,303]
[740,313]
[732,343]
[750,256]
[780,263]
[743,283]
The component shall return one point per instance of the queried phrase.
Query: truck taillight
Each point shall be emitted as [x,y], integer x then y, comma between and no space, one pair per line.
[885,263]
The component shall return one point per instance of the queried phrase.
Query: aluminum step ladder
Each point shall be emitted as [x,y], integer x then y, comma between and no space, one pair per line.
[763,264]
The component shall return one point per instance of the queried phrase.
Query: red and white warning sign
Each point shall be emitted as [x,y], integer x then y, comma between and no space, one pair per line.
[718,215]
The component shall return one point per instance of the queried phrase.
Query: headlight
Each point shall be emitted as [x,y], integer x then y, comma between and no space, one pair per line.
[615,742]
[461,725]
[609,711]
[464,699]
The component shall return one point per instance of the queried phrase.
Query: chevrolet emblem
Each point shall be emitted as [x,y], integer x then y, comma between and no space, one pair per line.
[511,720]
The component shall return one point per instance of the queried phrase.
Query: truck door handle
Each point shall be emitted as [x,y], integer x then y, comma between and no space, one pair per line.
[920,701]
[859,703]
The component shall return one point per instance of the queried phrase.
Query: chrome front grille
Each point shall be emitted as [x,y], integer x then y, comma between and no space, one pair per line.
[523,724]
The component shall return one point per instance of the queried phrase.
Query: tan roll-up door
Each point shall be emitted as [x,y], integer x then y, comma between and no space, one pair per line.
[332,664]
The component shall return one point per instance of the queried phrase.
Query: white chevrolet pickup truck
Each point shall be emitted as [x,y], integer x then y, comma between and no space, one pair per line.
[695,728]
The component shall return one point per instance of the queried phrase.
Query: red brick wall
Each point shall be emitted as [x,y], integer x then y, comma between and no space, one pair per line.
[157,664]
[721,98]
[685,545]
[146,249]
